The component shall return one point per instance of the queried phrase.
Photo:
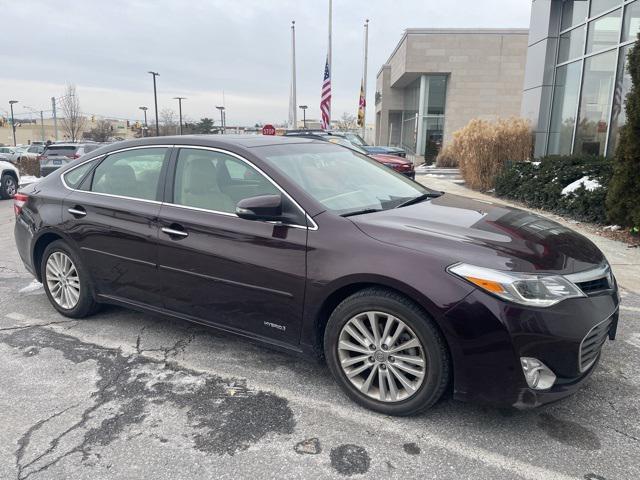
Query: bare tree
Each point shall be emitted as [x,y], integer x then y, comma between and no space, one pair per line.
[347,122]
[73,121]
[168,122]
[102,131]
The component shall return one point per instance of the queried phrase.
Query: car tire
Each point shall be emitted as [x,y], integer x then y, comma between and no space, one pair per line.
[387,305]
[79,304]
[8,186]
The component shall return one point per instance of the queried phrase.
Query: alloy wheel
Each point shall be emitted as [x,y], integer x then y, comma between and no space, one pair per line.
[10,186]
[63,280]
[382,356]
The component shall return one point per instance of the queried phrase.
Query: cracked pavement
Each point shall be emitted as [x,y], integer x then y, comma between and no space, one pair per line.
[126,395]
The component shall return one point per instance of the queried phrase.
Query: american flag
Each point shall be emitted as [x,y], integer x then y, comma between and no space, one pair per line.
[325,98]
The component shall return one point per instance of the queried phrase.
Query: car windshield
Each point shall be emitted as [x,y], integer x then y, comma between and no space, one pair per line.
[342,180]
[355,139]
[346,143]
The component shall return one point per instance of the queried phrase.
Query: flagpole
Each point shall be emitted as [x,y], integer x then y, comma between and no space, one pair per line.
[364,76]
[329,55]
[293,107]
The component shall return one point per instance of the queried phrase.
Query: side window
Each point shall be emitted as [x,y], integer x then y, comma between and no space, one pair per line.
[133,173]
[216,181]
[75,176]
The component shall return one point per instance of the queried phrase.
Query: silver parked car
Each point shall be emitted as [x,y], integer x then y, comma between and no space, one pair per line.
[58,154]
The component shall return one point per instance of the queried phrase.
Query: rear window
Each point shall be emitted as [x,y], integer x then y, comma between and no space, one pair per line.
[61,150]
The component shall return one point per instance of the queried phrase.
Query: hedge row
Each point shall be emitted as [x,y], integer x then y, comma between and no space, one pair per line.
[540,184]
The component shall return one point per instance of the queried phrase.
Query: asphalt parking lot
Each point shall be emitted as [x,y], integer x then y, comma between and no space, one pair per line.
[124,395]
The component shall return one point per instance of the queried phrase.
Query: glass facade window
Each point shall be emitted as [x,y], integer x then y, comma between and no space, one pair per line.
[574,13]
[563,113]
[631,25]
[599,6]
[419,128]
[571,45]
[621,89]
[591,78]
[604,32]
[595,103]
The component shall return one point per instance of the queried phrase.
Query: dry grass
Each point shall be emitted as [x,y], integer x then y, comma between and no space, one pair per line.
[29,166]
[446,158]
[483,147]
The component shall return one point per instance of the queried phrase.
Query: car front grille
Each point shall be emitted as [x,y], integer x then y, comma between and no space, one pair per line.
[593,286]
[592,344]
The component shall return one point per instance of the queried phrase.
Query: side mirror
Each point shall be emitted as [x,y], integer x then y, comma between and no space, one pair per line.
[263,207]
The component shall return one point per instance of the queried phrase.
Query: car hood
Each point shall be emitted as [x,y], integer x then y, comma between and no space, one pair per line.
[384,158]
[459,229]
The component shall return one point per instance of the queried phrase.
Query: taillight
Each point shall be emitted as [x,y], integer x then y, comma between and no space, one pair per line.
[73,157]
[19,201]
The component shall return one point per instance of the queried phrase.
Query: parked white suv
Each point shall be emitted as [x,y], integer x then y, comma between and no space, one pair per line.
[9,179]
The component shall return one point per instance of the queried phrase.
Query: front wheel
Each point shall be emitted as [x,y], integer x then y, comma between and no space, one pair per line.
[386,353]
[8,186]
[66,282]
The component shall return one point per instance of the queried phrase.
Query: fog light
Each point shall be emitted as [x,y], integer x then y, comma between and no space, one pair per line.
[538,375]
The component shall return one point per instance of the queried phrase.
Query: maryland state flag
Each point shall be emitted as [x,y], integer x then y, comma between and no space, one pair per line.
[361,105]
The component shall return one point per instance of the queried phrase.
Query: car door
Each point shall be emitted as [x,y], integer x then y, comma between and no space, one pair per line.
[244,275]
[112,216]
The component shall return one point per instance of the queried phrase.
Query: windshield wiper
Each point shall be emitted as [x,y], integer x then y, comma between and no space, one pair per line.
[361,212]
[419,198]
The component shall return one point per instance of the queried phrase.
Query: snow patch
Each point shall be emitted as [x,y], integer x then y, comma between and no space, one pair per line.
[586,182]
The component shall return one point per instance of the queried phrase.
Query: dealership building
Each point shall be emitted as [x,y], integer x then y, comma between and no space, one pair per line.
[576,81]
[566,74]
[436,80]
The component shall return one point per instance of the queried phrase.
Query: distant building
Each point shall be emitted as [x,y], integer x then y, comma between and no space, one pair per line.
[436,80]
[576,80]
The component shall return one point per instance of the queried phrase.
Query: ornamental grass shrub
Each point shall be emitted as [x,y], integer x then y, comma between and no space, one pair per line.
[29,166]
[446,158]
[482,148]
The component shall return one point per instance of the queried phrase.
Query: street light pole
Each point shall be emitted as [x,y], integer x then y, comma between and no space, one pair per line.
[155,100]
[13,123]
[146,127]
[221,108]
[304,116]
[180,110]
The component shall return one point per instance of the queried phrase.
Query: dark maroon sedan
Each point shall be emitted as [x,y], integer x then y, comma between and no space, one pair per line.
[317,250]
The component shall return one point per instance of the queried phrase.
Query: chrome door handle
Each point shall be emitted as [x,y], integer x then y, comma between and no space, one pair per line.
[174,233]
[77,212]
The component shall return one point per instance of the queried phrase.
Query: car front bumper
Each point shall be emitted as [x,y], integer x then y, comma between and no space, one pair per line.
[488,336]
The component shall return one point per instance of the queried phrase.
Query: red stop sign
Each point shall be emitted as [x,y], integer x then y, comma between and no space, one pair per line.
[268,130]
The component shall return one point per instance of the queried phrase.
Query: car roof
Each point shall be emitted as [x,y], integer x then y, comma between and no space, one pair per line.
[243,141]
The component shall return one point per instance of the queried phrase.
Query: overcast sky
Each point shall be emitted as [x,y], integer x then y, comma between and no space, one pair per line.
[202,47]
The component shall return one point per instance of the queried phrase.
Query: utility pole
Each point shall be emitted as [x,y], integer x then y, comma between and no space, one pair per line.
[13,122]
[146,127]
[304,116]
[222,126]
[55,118]
[155,100]
[41,125]
[180,110]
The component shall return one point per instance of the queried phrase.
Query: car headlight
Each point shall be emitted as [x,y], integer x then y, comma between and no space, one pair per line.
[523,288]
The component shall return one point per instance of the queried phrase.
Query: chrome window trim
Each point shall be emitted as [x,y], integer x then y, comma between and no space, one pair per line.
[313,227]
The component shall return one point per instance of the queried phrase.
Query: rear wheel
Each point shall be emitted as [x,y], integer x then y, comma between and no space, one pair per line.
[385,353]
[66,282]
[8,186]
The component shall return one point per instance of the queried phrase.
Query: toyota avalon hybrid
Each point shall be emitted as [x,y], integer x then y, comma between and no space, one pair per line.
[314,249]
